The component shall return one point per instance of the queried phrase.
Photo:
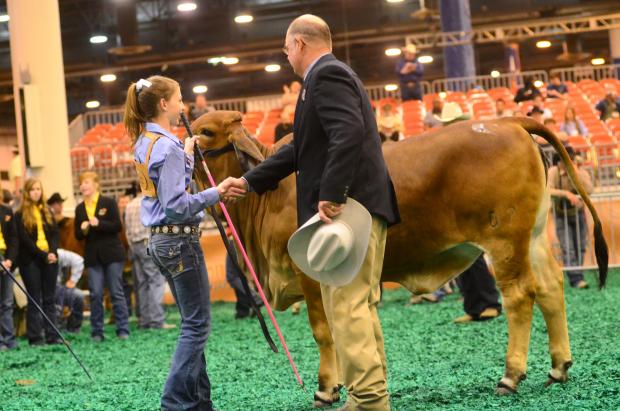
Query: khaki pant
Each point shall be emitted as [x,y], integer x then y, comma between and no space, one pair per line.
[351,312]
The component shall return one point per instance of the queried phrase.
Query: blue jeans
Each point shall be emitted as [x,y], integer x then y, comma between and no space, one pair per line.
[572,232]
[112,273]
[180,259]
[73,298]
[7,332]
[149,287]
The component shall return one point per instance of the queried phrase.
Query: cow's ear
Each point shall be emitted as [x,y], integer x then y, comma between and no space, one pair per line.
[244,142]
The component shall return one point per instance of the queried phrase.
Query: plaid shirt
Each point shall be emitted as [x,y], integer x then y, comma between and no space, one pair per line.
[134,229]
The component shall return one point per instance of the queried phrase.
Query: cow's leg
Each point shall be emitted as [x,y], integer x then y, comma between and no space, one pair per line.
[515,279]
[550,299]
[329,389]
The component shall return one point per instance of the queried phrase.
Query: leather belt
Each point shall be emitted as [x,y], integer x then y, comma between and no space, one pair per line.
[175,229]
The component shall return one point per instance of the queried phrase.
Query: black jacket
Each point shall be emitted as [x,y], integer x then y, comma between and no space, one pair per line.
[9,232]
[28,250]
[103,245]
[336,150]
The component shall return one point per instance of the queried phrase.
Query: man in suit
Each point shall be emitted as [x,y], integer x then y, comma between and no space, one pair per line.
[8,258]
[336,153]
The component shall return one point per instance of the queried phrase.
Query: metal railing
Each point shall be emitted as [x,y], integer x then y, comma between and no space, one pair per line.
[378,92]
[487,82]
[596,73]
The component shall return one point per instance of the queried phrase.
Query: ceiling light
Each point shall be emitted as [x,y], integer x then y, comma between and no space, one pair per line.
[4,18]
[395,1]
[98,38]
[425,59]
[271,68]
[200,88]
[106,78]
[244,18]
[390,87]
[543,44]
[229,60]
[599,61]
[187,6]
[391,52]
[495,74]
[538,83]
[92,104]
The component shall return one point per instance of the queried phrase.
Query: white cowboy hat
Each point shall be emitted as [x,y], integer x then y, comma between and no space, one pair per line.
[333,253]
[452,111]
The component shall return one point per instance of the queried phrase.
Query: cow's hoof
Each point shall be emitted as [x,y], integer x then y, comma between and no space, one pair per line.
[296,308]
[336,395]
[559,375]
[324,399]
[505,387]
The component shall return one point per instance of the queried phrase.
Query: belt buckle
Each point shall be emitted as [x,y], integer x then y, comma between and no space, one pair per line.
[175,229]
[187,229]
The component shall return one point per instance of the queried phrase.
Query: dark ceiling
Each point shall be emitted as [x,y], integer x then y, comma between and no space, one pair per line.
[182,42]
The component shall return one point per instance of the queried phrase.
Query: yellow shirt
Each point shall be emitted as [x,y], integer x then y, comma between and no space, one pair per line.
[2,242]
[41,239]
[91,206]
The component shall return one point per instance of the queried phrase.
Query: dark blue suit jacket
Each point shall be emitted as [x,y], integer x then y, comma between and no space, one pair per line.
[336,149]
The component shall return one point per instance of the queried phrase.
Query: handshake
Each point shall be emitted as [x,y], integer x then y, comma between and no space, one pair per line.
[232,189]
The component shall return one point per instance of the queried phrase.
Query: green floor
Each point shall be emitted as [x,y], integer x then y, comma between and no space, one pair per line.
[433,364]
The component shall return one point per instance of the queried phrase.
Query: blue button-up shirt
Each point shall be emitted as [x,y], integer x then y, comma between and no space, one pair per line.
[170,168]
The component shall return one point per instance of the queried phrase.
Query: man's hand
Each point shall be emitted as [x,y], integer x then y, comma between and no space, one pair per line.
[232,189]
[70,284]
[85,226]
[573,199]
[329,210]
[7,264]
[189,145]
[93,221]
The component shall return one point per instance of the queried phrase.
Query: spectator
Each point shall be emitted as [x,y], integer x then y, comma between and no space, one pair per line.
[97,221]
[15,176]
[389,123]
[8,258]
[285,126]
[291,94]
[38,258]
[67,294]
[7,198]
[528,91]
[500,109]
[609,106]
[536,114]
[150,283]
[552,125]
[570,222]
[431,119]
[243,304]
[572,126]
[539,102]
[410,73]
[556,88]
[55,204]
[199,107]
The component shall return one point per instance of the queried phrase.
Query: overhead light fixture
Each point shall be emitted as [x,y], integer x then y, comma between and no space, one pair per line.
[92,104]
[98,38]
[107,78]
[272,68]
[4,18]
[200,88]
[395,1]
[495,74]
[425,59]
[187,6]
[543,44]
[538,83]
[598,61]
[230,60]
[390,87]
[244,18]
[391,52]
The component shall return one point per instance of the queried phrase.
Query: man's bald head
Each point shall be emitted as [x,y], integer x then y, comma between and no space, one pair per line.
[314,30]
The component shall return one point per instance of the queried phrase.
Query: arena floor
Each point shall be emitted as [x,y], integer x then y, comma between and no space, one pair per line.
[433,364]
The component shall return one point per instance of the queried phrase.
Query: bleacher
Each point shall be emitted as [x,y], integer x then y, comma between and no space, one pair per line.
[106,148]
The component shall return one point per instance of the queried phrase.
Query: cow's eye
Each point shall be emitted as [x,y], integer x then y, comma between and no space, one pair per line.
[208,132]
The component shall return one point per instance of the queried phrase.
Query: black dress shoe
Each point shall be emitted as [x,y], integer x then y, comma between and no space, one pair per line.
[55,341]
[36,342]
[97,338]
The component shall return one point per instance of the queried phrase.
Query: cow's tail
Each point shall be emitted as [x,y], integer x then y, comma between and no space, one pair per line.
[600,245]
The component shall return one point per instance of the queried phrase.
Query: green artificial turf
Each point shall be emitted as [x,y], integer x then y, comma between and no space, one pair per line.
[433,364]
